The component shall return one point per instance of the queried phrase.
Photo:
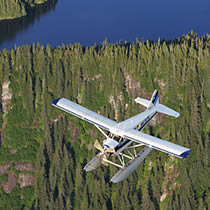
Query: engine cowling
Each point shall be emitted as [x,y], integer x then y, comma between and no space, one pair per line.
[110,143]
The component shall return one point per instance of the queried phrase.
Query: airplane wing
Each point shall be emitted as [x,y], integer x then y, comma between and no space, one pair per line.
[84,113]
[157,143]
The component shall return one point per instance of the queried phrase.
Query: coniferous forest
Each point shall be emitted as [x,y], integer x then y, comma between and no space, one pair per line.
[10,9]
[43,150]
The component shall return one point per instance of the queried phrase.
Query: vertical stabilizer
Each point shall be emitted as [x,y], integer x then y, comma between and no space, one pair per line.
[155,99]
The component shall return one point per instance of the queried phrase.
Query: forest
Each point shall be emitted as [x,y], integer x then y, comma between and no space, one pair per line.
[43,150]
[10,9]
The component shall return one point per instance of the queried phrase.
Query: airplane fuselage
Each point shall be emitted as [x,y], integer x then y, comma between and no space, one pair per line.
[146,116]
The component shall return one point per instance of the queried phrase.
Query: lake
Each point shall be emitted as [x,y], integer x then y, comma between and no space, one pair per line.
[93,21]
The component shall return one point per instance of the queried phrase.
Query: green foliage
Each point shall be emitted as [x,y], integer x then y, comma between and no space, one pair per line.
[4,178]
[10,9]
[17,199]
[105,79]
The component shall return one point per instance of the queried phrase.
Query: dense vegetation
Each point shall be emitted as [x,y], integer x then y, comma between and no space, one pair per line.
[106,78]
[10,9]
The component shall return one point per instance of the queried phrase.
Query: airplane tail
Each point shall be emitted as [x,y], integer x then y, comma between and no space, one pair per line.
[154,103]
[154,99]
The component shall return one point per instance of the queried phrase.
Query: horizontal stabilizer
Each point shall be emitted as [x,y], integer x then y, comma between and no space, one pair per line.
[131,166]
[148,104]
[165,110]
[143,102]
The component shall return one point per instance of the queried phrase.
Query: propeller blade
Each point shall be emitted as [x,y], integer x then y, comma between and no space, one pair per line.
[104,162]
[98,146]
[110,150]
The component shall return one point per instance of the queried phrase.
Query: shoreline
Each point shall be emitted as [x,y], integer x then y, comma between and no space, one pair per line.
[24,9]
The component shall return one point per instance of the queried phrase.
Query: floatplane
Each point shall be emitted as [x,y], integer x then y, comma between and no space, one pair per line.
[122,139]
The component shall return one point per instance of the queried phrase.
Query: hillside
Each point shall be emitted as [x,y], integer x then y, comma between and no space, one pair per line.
[43,150]
[10,9]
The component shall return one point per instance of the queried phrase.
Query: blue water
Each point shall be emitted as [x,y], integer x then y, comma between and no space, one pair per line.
[93,21]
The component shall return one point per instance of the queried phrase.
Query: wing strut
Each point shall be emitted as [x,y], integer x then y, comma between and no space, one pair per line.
[101,131]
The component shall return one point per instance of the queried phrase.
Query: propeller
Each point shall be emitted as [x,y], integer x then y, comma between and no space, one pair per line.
[104,152]
[98,146]
[104,162]
[103,156]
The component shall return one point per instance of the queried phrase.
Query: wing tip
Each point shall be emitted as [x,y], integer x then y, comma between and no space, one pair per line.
[54,102]
[185,154]
[177,114]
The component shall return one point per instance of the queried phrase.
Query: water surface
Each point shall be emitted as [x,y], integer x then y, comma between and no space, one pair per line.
[93,21]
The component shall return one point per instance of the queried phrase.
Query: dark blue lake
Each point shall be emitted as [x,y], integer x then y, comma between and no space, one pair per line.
[93,21]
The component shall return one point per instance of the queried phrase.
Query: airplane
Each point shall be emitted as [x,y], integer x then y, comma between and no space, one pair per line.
[123,138]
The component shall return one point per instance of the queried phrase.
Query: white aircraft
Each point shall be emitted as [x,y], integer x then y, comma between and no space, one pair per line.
[123,138]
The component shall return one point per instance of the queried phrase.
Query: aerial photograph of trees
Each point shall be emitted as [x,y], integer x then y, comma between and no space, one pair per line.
[43,150]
